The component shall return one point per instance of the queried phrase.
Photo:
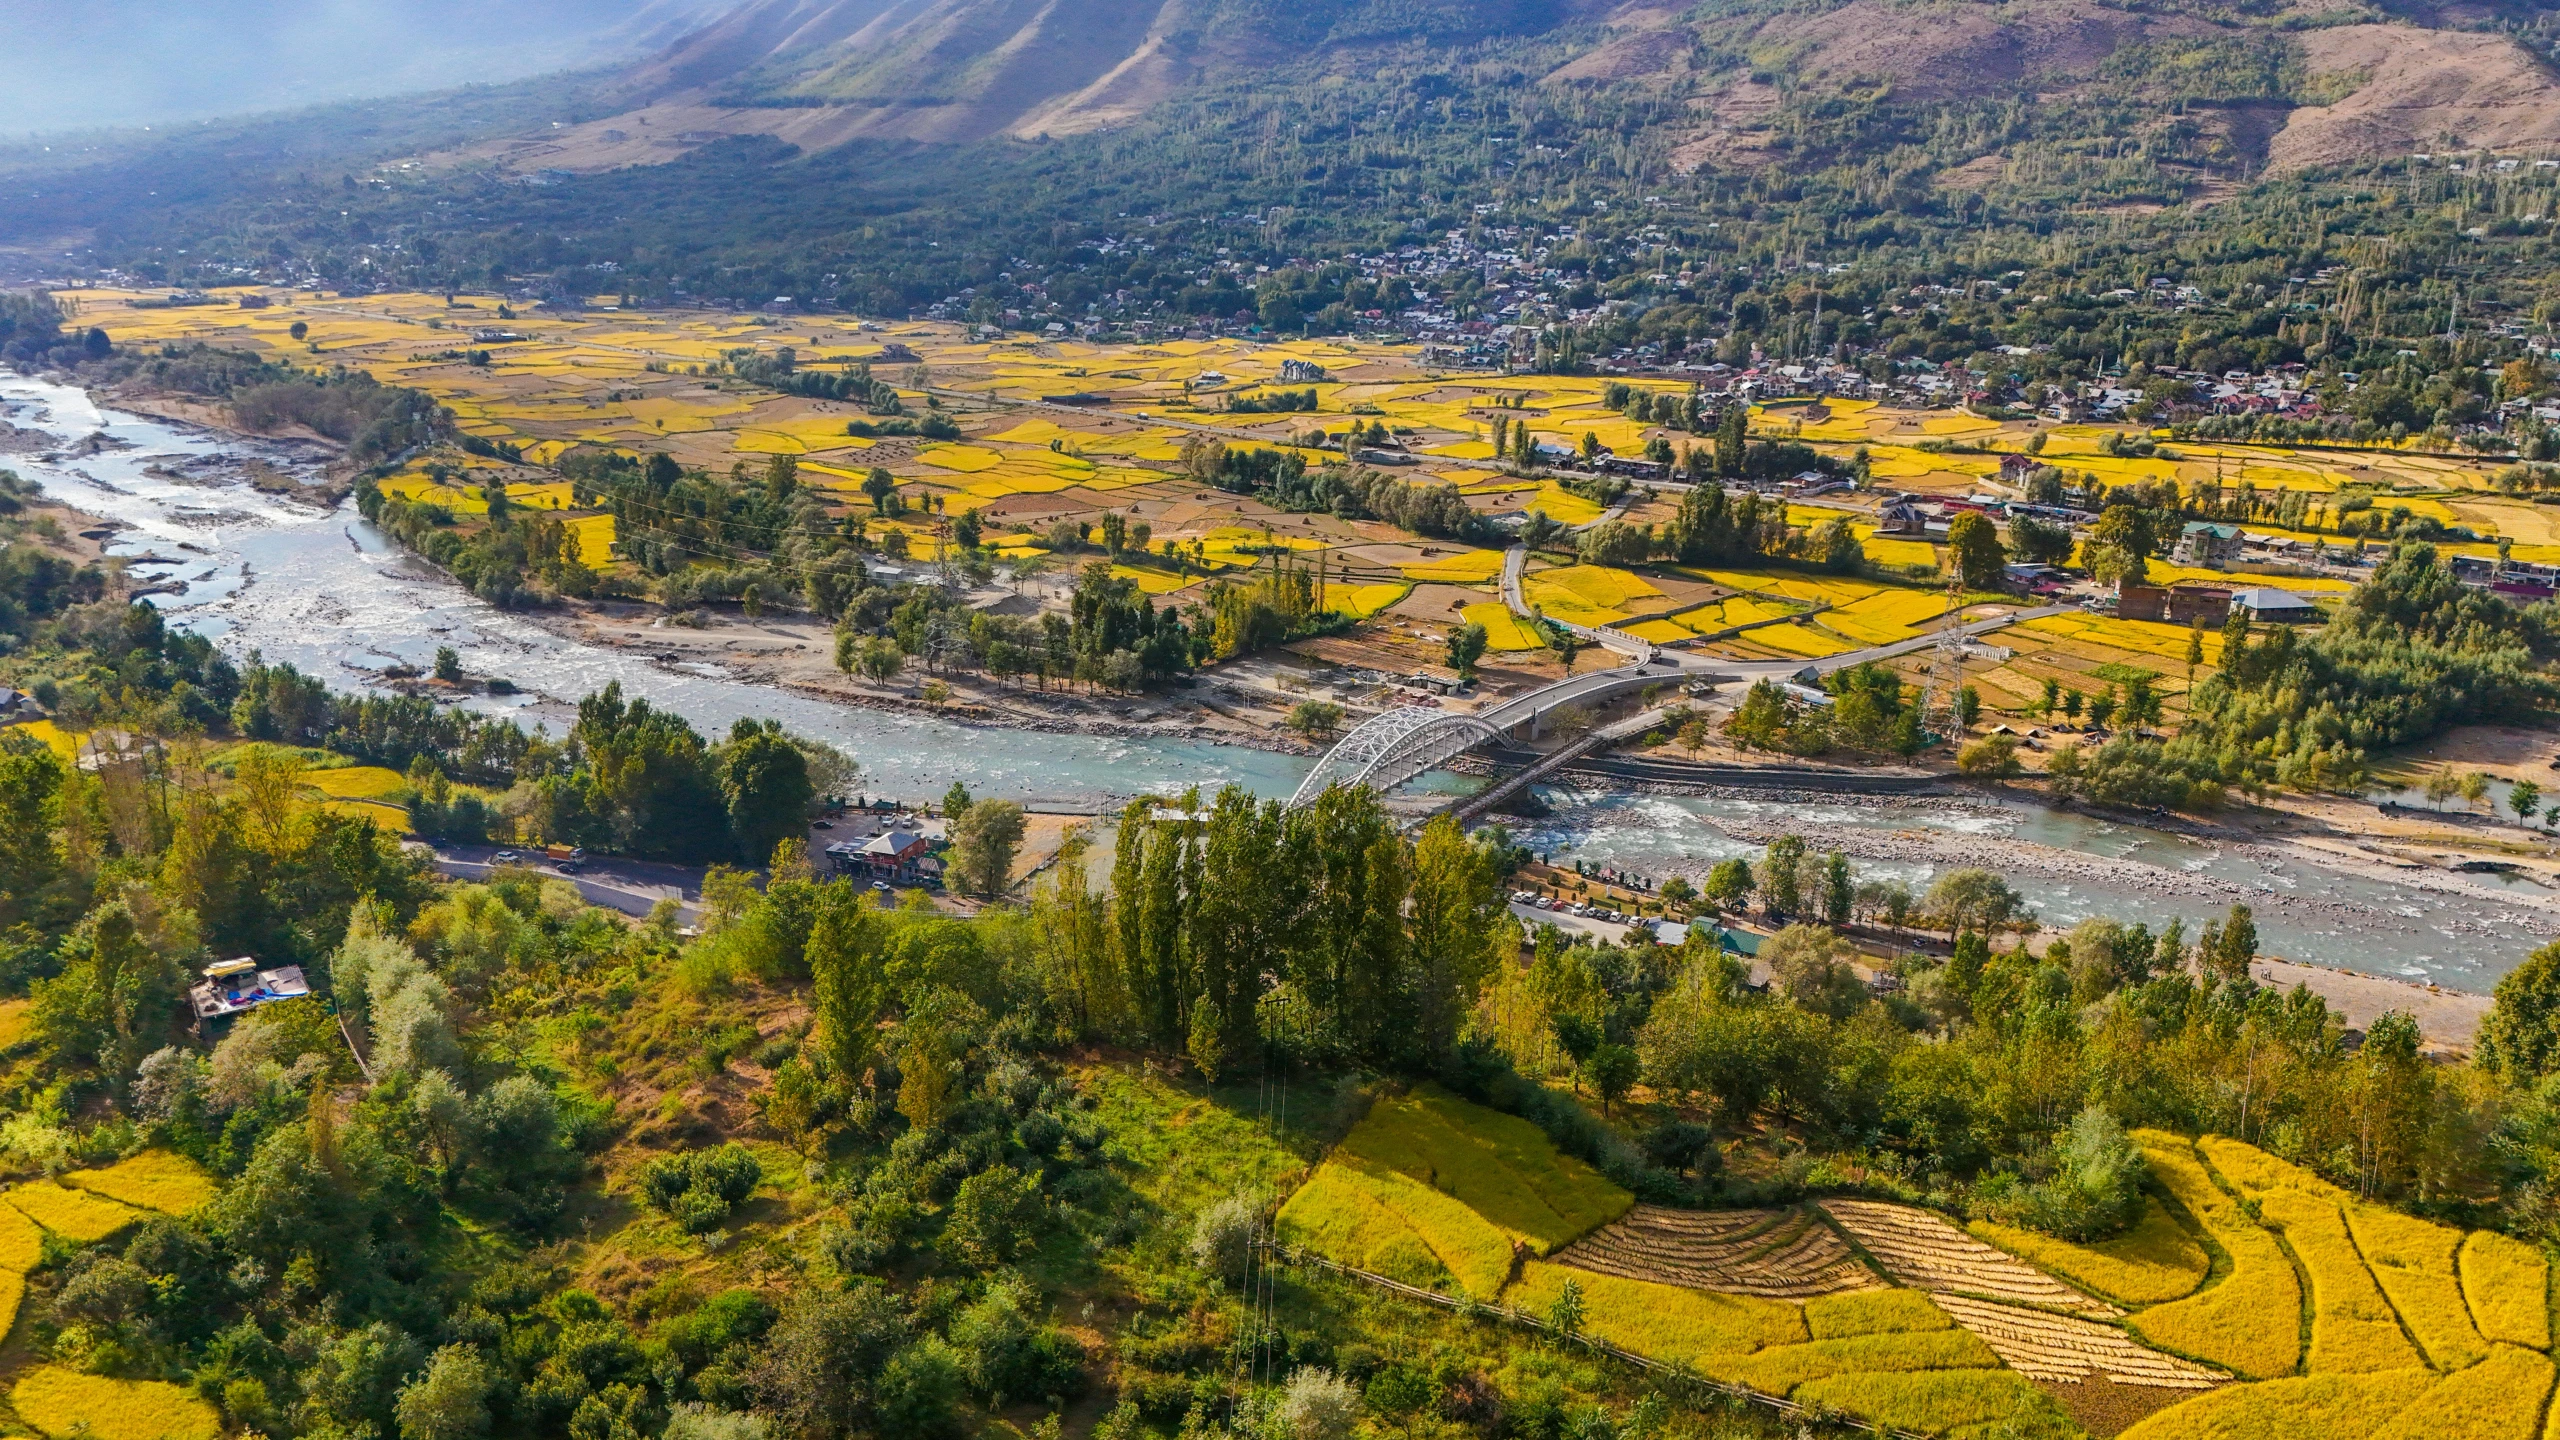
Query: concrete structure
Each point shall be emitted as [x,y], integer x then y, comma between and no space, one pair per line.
[2176,605]
[236,987]
[2206,544]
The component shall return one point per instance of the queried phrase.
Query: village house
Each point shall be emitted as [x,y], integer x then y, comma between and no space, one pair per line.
[2203,543]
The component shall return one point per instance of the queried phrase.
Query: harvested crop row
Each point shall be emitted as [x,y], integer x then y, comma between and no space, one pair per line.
[1745,1254]
[2250,1322]
[2055,1347]
[1698,1225]
[2156,1261]
[1923,1250]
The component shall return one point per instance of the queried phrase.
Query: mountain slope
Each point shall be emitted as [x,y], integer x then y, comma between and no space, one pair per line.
[2238,92]
[2424,90]
[822,72]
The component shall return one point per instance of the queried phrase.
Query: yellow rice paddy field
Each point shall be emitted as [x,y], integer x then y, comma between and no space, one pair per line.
[1900,1317]
[635,381]
[85,1206]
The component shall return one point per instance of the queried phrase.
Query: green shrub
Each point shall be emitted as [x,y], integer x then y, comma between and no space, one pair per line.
[698,1190]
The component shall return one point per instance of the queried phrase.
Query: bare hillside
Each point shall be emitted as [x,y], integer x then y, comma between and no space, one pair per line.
[1961,50]
[2425,89]
[819,73]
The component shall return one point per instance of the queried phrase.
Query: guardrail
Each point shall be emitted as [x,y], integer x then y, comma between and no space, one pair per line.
[1677,1377]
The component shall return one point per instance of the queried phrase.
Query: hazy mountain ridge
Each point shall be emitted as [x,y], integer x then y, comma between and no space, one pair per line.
[821,73]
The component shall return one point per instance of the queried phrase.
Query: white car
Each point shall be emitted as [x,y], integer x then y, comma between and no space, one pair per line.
[505,857]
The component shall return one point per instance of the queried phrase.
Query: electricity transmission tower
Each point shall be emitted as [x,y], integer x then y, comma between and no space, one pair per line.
[1938,714]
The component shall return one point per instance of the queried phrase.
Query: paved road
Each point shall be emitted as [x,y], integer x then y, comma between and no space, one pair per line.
[1601,931]
[1514,561]
[633,887]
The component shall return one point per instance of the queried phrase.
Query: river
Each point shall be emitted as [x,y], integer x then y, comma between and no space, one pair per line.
[317,586]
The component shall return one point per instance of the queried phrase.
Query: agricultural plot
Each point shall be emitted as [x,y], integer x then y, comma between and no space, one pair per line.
[2043,1346]
[2156,1261]
[2507,1283]
[1503,630]
[2228,1323]
[1467,567]
[21,1241]
[73,1214]
[1923,1251]
[1874,1312]
[2300,1408]
[1721,615]
[1781,1369]
[2354,1329]
[1802,638]
[92,1205]
[2131,637]
[1795,585]
[355,782]
[1664,1322]
[2499,1399]
[1362,601]
[1373,1218]
[63,1404]
[1153,580]
[1500,1166]
[1887,616]
[2413,1261]
[1788,1255]
[1586,594]
[1892,550]
[152,1180]
[1442,1193]
[1984,1403]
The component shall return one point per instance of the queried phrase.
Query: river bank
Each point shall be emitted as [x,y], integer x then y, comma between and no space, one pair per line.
[290,579]
[796,652]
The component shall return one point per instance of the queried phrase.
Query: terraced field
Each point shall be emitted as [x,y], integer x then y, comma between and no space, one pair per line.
[1926,1252]
[1780,1254]
[85,1206]
[1894,1314]
[2044,1346]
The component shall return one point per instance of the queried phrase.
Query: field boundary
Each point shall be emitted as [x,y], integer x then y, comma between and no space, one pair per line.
[2309,1305]
[1680,1376]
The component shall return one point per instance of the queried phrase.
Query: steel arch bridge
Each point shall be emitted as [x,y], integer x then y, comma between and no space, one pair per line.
[1390,748]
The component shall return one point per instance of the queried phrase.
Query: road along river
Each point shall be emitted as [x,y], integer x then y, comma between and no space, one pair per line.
[264,570]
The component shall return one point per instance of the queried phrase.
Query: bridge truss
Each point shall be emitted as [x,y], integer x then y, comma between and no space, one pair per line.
[1390,748]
